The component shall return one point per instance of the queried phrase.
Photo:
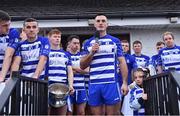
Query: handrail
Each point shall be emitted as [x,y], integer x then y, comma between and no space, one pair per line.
[24,96]
[157,76]
[163,94]
[9,87]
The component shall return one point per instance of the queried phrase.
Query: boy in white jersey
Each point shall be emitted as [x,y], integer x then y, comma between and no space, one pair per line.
[141,59]
[101,54]
[169,57]
[60,68]
[8,44]
[33,52]
[79,98]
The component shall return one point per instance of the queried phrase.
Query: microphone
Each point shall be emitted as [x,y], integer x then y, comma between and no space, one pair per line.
[97,36]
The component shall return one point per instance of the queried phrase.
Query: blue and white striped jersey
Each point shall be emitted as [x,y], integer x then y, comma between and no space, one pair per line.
[103,68]
[57,68]
[30,53]
[169,57]
[142,61]
[10,40]
[79,81]
[136,102]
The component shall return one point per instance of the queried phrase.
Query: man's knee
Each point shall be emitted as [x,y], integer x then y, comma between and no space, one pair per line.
[96,110]
[81,112]
[112,109]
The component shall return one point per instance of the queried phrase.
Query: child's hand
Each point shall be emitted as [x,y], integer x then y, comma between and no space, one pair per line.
[144,96]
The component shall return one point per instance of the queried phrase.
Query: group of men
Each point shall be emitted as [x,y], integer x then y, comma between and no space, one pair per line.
[104,59]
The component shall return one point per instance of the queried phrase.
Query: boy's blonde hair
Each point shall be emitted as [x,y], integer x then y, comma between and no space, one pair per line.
[54,31]
[168,33]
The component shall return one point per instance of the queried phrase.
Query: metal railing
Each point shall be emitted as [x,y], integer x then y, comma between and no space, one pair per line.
[163,94]
[24,96]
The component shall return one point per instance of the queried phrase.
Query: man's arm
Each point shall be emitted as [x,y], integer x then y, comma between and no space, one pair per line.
[79,70]
[124,73]
[70,79]
[86,60]
[40,66]
[16,63]
[6,62]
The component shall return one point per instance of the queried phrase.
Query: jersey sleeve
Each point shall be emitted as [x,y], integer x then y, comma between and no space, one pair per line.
[17,52]
[14,39]
[69,62]
[119,48]
[45,49]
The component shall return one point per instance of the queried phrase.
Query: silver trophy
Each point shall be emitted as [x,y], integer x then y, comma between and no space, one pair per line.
[58,94]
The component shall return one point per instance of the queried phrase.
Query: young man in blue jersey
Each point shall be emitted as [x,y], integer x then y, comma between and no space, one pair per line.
[33,52]
[101,55]
[137,95]
[130,60]
[141,59]
[79,98]
[59,68]
[169,57]
[154,58]
[8,44]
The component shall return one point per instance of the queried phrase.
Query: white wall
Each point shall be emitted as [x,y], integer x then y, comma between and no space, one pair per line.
[112,22]
[149,38]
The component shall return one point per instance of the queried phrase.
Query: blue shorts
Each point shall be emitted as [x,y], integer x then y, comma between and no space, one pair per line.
[78,97]
[107,94]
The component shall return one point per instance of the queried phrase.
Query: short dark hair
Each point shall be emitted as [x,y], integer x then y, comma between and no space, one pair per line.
[4,16]
[54,31]
[70,38]
[160,43]
[101,14]
[137,42]
[124,41]
[29,20]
